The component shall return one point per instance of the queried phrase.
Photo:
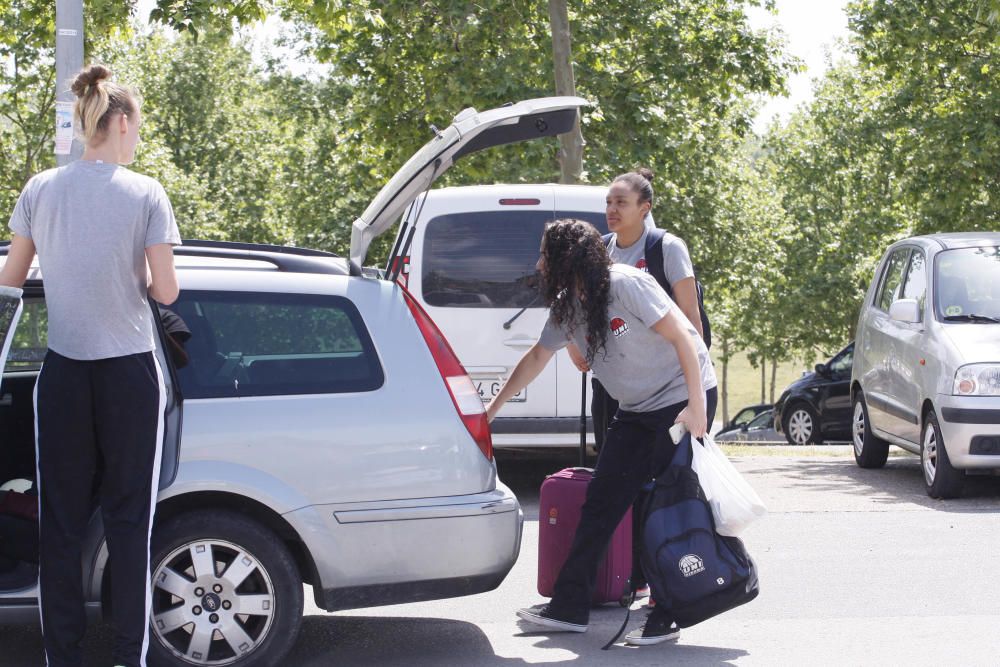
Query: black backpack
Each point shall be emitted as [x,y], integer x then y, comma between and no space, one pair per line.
[654,264]
[699,572]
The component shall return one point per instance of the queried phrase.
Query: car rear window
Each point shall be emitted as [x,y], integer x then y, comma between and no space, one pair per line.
[264,344]
[486,259]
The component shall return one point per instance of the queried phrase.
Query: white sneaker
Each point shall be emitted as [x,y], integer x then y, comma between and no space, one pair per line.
[654,631]
[543,616]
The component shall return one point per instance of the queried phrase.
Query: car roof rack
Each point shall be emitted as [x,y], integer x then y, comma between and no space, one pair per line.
[283,258]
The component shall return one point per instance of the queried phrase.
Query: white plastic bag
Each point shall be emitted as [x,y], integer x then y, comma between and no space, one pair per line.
[735,505]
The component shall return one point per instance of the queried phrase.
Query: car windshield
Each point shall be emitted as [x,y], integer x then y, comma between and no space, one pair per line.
[967,285]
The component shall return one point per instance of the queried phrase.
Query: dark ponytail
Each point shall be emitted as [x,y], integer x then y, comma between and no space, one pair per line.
[640,181]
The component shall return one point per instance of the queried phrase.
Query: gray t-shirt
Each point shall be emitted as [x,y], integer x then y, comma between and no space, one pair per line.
[91,223]
[676,259]
[639,367]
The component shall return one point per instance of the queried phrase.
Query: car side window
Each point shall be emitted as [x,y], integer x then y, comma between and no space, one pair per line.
[892,278]
[763,420]
[915,283]
[30,342]
[843,362]
[744,417]
[270,344]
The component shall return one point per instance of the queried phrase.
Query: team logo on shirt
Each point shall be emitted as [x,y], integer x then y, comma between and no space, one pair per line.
[619,327]
[641,264]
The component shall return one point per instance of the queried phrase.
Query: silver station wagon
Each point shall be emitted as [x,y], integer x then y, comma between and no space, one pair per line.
[329,437]
[926,372]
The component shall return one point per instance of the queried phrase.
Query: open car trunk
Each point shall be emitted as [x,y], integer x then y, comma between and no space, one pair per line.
[27,349]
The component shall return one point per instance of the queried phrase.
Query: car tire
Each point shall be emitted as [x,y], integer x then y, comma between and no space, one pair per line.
[217,559]
[941,479]
[801,426]
[870,451]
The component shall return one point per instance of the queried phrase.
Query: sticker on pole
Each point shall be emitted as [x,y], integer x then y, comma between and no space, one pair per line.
[64,128]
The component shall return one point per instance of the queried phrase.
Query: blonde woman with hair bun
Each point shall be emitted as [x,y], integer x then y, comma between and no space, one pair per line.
[104,238]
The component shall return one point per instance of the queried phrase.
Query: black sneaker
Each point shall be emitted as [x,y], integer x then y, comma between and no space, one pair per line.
[542,615]
[656,629]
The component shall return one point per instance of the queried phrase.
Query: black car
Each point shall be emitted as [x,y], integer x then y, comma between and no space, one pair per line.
[817,406]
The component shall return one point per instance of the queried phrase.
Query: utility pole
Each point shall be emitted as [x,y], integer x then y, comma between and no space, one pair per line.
[571,143]
[69,61]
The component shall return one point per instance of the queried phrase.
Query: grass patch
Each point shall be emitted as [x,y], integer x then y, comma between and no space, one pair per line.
[810,451]
[839,451]
[743,382]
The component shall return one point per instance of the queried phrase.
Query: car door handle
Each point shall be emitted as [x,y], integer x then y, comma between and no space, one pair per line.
[520,342]
[6,400]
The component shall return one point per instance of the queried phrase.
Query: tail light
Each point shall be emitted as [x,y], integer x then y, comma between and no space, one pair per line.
[463,392]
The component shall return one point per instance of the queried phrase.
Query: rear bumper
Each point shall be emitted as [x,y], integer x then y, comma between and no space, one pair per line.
[376,554]
[963,418]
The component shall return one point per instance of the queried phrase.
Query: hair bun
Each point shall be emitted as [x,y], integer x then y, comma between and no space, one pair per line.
[645,173]
[88,77]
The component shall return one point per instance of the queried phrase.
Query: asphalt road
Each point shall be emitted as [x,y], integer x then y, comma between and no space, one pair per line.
[858,567]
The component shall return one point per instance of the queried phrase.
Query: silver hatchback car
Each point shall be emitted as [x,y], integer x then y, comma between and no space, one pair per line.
[330,436]
[926,372]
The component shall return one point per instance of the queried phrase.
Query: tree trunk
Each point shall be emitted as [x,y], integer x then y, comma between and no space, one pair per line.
[725,382]
[763,378]
[571,143]
[774,373]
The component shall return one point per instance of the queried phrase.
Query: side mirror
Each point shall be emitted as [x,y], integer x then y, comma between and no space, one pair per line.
[905,310]
[745,427]
[822,369]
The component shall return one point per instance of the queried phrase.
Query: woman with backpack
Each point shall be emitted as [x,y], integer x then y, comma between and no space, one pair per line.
[650,357]
[629,202]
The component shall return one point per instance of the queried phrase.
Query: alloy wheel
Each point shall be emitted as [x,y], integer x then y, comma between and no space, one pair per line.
[213,603]
[858,428]
[800,426]
[929,454]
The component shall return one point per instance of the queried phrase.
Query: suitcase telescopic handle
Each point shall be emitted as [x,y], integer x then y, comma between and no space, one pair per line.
[583,419]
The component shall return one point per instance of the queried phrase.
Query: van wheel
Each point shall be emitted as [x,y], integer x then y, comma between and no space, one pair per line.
[801,425]
[940,477]
[870,451]
[225,591]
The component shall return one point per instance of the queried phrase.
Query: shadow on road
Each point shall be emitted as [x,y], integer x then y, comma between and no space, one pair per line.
[402,641]
[900,481]
[21,646]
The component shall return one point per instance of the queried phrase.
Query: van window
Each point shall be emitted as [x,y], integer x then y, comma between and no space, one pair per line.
[249,344]
[596,218]
[487,259]
[483,259]
[30,342]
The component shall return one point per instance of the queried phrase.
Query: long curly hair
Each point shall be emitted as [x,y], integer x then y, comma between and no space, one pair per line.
[576,273]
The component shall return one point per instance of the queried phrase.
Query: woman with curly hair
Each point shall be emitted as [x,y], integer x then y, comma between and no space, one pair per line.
[646,353]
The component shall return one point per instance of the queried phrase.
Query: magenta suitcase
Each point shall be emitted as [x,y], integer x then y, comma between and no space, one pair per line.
[559,506]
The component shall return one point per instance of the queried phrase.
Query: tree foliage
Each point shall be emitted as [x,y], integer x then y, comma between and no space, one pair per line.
[902,140]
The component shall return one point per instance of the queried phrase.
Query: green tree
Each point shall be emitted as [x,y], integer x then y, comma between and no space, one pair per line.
[27,84]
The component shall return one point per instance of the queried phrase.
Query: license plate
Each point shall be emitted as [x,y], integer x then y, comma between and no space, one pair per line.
[488,388]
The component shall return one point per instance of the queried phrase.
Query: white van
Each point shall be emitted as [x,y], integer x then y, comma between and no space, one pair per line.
[468,255]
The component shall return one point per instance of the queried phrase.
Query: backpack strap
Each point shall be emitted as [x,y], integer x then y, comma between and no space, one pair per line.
[654,259]
[607,240]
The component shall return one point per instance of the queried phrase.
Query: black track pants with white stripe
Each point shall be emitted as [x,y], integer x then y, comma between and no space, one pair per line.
[99,425]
